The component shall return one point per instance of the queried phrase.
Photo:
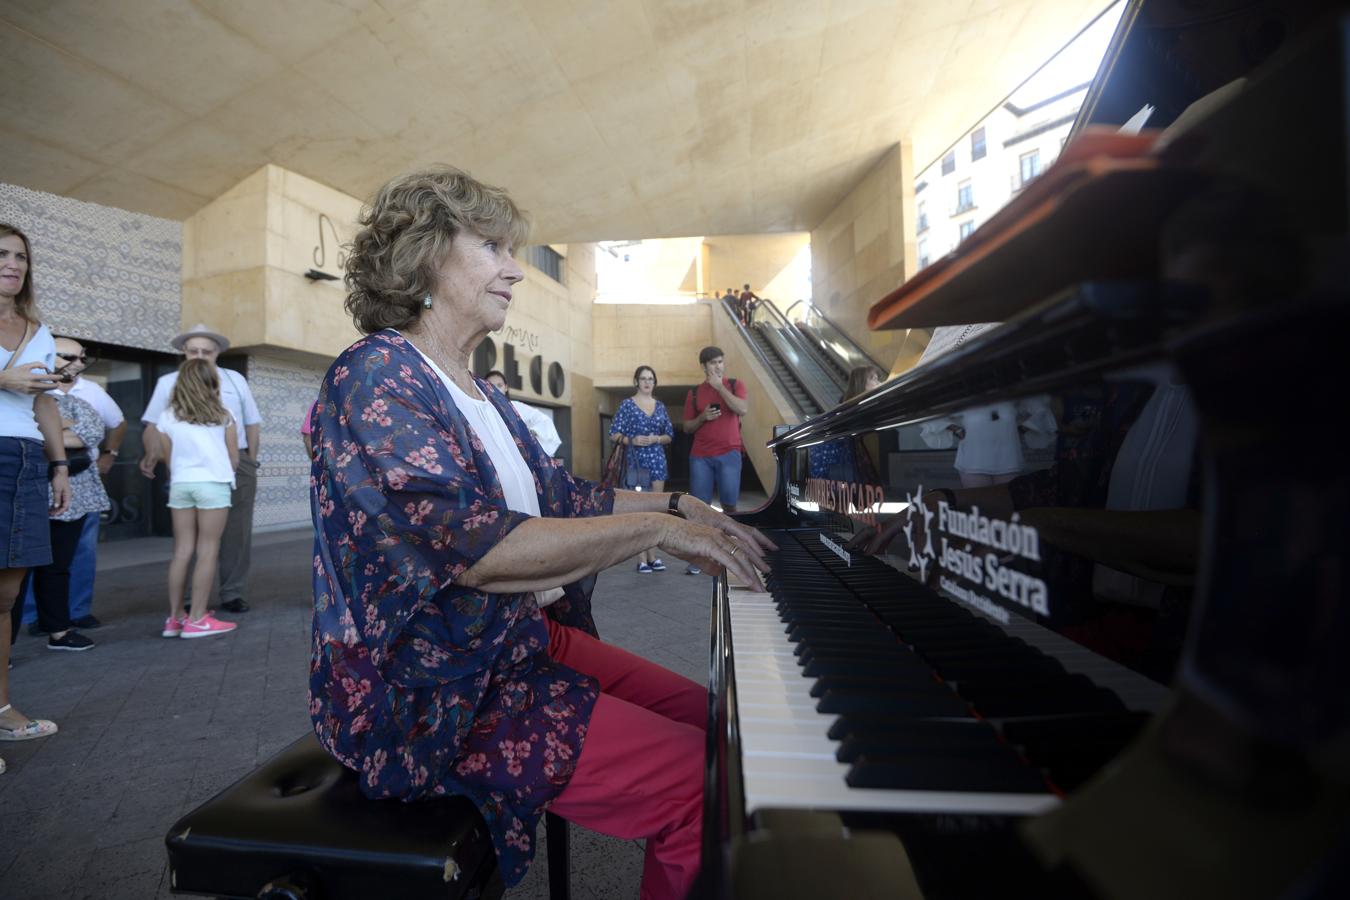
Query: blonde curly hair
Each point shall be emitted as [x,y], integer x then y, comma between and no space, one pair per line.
[406,232]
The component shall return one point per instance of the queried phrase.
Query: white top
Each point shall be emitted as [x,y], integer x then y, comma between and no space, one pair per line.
[16,409]
[92,392]
[541,426]
[517,480]
[234,393]
[199,451]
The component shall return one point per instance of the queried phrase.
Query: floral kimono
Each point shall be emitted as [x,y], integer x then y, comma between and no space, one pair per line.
[424,687]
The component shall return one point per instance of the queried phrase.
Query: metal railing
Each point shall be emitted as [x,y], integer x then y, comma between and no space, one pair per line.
[829,338]
[796,358]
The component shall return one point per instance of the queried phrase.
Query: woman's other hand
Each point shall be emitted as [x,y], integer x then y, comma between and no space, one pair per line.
[696,510]
[715,551]
[60,492]
[28,378]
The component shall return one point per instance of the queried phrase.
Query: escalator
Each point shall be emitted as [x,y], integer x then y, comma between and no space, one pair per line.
[808,385]
[829,343]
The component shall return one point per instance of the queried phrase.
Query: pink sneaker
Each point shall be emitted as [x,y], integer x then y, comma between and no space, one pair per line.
[173,627]
[207,626]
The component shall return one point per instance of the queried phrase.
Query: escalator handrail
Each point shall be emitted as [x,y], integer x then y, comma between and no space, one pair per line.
[815,311]
[825,396]
[803,346]
[759,355]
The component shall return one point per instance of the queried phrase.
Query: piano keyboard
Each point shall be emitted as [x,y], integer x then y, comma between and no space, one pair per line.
[858,689]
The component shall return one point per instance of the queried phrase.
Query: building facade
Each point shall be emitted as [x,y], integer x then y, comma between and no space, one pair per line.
[987,167]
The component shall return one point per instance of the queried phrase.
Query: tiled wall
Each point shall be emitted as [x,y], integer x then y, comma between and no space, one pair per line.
[284,390]
[100,273]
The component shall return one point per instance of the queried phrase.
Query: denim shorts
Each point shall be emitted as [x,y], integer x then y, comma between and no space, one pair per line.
[25,532]
[199,495]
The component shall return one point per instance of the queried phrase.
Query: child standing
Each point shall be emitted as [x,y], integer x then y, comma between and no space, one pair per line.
[202,452]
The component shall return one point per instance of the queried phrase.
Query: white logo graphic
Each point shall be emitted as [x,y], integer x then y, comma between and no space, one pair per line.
[915,502]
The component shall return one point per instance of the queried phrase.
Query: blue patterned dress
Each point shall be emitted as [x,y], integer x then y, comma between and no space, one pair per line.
[631,421]
[423,687]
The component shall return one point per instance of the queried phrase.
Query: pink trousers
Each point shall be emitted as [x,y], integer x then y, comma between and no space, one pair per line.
[640,773]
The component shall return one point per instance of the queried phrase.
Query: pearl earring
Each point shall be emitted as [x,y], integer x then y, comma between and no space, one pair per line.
[426,302]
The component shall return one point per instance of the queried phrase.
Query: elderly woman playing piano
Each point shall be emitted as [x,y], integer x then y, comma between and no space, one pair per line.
[443,528]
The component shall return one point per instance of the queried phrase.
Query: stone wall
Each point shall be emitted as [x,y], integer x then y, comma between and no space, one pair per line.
[863,250]
[284,390]
[100,273]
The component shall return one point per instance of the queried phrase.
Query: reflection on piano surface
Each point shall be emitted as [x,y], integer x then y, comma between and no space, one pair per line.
[1051,608]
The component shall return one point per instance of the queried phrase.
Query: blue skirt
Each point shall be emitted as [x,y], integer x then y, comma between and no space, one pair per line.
[25,532]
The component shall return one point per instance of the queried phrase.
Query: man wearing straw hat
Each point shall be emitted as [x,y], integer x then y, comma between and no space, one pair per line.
[200,342]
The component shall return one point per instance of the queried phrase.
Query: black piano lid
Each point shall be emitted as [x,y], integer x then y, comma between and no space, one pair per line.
[1089,328]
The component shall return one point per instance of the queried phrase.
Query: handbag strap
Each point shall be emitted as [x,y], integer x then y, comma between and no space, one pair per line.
[28,332]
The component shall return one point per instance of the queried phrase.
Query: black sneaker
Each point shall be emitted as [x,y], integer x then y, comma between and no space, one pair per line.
[71,640]
[86,622]
[235,606]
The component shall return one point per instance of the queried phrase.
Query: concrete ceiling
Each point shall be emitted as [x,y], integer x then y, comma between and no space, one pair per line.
[608,119]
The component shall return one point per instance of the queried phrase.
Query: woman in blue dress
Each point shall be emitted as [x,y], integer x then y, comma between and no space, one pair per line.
[643,423]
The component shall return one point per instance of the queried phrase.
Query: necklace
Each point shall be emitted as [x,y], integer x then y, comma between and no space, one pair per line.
[458,372]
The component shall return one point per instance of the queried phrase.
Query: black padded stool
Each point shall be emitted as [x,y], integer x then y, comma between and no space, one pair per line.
[299,828]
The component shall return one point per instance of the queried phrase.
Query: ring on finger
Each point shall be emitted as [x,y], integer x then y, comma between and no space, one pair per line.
[735,550]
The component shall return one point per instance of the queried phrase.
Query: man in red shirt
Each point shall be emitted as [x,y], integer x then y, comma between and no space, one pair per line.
[712,414]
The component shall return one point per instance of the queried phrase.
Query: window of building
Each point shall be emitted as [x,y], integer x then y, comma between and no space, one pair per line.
[923,253]
[949,163]
[966,229]
[1030,165]
[546,260]
[965,197]
[923,219]
[977,149]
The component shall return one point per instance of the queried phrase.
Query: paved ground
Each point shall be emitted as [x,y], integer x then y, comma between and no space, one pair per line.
[152,727]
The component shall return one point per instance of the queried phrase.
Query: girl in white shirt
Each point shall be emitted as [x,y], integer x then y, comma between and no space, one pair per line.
[202,450]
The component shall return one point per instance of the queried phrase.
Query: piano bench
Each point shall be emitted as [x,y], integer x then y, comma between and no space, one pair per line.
[299,828]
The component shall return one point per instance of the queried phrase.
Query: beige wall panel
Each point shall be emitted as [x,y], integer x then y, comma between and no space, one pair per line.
[585,429]
[628,335]
[233,302]
[864,248]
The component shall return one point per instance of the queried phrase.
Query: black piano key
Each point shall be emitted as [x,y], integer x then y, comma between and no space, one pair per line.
[855,747]
[925,772]
[899,665]
[914,734]
[895,703]
[865,680]
[1049,699]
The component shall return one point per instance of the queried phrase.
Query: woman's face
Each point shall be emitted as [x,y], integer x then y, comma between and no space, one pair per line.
[872,380]
[13,265]
[646,382]
[474,283]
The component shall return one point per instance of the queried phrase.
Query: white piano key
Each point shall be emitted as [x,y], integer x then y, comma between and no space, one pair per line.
[788,759]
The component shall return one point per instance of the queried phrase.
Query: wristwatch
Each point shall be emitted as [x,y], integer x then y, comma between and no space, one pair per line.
[673,507]
[53,465]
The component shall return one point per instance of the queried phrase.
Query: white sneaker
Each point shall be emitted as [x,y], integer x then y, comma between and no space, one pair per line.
[693,570]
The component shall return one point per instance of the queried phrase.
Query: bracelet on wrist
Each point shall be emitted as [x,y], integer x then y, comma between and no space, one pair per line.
[673,507]
[56,464]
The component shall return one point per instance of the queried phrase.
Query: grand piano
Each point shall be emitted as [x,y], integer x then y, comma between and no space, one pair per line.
[1063,612]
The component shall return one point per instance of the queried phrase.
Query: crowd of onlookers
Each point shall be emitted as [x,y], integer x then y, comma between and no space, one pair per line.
[60,434]
[642,428]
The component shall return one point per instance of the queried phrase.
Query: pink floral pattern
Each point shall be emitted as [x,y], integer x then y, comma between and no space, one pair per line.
[423,687]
